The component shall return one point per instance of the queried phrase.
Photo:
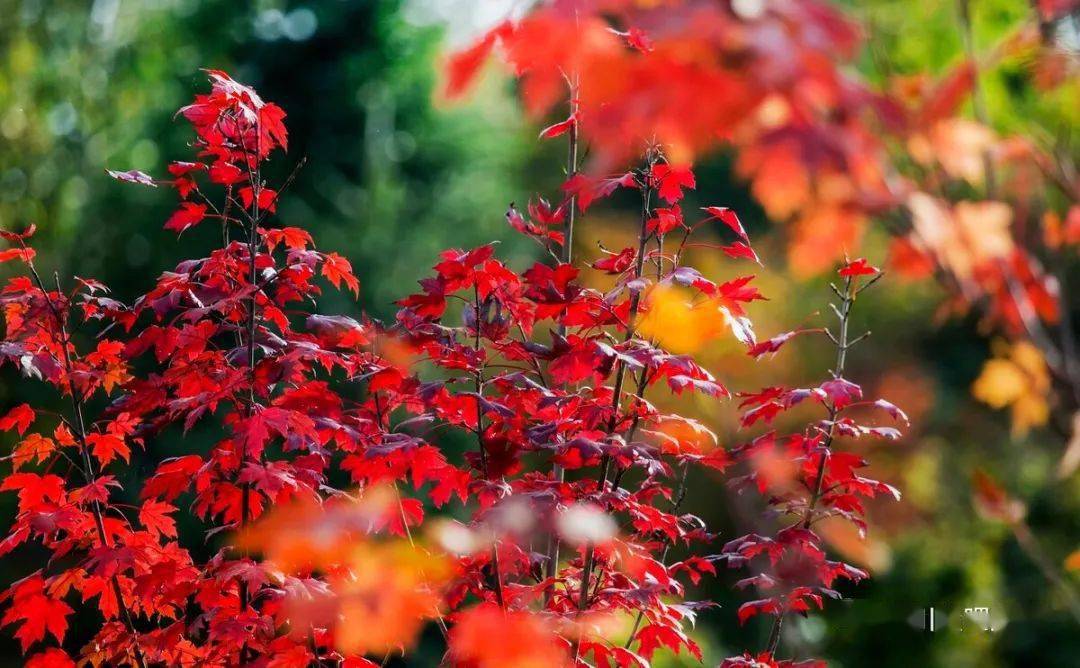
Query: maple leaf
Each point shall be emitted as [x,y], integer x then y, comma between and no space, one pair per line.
[106,358]
[729,218]
[766,660]
[463,66]
[338,330]
[17,237]
[635,38]
[762,606]
[107,447]
[1017,377]
[588,189]
[893,410]
[267,198]
[154,516]
[740,250]
[172,478]
[771,346]
[841,392]
[98,490]
[181,168]
[616,263]
[35,611]
[543,213]
[226,173]
[670,181]
[654,636]
[18,418]
[337,270]
[665,220]
[188,215]
[858,267]
[294,238]
[272,125]
[740,326]
[24,254]
[34,446]
[34,489]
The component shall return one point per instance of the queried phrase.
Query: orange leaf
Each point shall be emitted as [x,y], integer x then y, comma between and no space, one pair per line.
[487,637]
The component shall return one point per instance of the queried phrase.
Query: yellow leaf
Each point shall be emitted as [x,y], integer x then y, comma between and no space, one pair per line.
[675,322]
[1000,383]
[1016,378]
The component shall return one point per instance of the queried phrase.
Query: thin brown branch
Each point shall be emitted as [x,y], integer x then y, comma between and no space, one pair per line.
[620,379]
[843,313]
[551,568]
[88,463]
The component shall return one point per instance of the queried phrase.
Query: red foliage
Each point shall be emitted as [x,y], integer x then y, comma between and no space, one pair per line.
[803,476]
[542,373]
[817,144]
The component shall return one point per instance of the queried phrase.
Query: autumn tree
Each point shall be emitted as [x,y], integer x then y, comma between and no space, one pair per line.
[988,213]
[573,485]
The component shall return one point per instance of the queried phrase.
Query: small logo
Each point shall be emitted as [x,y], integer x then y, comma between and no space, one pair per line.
[976,618]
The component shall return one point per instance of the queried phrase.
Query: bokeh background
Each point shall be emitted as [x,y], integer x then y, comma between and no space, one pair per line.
[394,174]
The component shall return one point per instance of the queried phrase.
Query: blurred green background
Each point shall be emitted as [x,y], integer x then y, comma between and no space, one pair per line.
[393,176]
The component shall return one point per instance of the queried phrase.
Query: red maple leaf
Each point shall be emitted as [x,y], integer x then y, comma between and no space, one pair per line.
[337,270]
[670,180]
[35,611]
[188,215]
[154,516]
[18,418]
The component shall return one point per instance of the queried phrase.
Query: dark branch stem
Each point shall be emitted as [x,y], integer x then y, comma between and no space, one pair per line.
[680,496]
[620,379]
[88,462]
[843,313]
[255,177]
[1026,539]
[551,568]
[478,379]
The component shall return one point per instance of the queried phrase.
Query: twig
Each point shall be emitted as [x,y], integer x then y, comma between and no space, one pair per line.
[557,472]
[843,313]
[620,378]
[84,449]
[478,378]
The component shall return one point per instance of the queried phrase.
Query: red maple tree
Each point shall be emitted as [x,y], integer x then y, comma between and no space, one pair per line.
[572,485]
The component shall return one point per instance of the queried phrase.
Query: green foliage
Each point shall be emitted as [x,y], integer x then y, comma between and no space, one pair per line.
[392,179]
